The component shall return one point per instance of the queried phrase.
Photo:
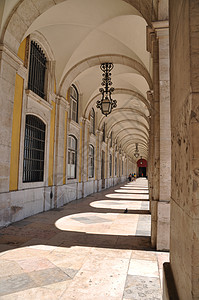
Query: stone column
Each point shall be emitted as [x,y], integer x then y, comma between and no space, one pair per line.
[184,72]
[151,151]
[154,135]
[85,128]
[61,107]
[163,209]
[99,149]
[9,64]
[113,164]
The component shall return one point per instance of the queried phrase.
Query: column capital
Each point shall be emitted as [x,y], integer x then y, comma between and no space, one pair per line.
[10,57]
[150,95]
[60,100]
[99,133]
[85,121]
[161,28]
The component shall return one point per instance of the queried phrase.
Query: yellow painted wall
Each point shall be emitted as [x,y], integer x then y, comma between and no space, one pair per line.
[51,146]
[80,153]
[65,146]
[68,95]
[106,162]
[22,50]
[88,138]
[16,132]
[113,155]
[96,156]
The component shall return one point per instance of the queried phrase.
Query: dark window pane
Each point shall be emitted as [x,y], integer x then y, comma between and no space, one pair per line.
[34,147]
[37,70]
[72,157]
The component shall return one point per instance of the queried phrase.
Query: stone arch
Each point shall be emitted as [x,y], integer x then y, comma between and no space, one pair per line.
[42,41]
[128,148]
[132,128]
[132,141]
[127,120]
[118,91]
[133,135]
[118,110]
[92,61]
[26,11]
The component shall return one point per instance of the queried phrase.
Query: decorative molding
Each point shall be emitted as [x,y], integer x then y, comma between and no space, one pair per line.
[38,99]
[10,57]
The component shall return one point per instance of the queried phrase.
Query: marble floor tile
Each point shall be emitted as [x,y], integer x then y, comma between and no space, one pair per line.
[88,249]
[14,283]
[143,268]
[142,288]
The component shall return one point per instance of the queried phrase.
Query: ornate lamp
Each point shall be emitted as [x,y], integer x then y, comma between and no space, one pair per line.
[136,154]
[106,104]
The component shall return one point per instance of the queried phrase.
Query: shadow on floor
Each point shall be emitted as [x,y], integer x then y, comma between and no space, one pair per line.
[40,229]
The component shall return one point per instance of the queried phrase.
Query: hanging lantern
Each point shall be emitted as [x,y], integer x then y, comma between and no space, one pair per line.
[106,104]
[136,153]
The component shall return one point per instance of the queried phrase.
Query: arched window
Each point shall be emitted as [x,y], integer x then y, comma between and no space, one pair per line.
[110,165]
[104,133]
[92,121]
[74,103]
[91,162]
[116,166]
[111,139]
[37,70]
[72,157]
[34,148]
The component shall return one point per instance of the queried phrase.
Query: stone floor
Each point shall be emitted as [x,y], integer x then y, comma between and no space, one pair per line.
[90,249]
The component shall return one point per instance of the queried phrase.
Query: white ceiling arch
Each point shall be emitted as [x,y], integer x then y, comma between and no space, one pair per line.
[132,130]
[83,34]
[21,14]
[120,111]
[83,65]
[133,122]
[122,91]
[129,135]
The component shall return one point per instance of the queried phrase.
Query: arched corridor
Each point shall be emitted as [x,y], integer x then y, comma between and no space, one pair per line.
[92,248]
[94,93]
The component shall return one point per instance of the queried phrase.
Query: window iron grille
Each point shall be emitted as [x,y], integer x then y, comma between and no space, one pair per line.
[91,161]
[34,148]
[37,70]
[74,103]
[72,157]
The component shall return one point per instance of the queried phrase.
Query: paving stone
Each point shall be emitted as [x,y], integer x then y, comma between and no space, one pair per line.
[88,257]
[48,276]
[142,288]
[90,220]
[15,283]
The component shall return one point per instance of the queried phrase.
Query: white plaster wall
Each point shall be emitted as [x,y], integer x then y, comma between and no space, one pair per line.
[110,182]
[79,190]
[18,205]
[89,187]
[66,193]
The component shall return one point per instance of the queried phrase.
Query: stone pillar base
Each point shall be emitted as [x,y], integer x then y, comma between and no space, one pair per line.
[163,226]
[169,288]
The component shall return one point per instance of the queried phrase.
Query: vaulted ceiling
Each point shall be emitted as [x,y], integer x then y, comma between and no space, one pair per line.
[82,34]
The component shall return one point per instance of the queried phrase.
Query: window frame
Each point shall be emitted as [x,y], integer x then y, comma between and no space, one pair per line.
[110,164]
[74,101]
[28,153]
[91,161]
[32,81]
[103,133]
[116,165]
[92,121]
[70,158]
[111,139]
